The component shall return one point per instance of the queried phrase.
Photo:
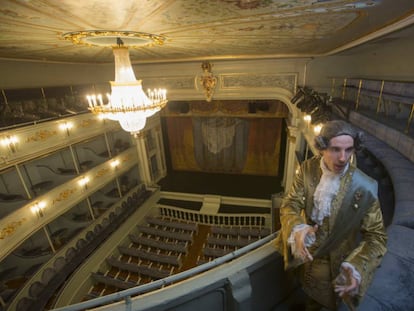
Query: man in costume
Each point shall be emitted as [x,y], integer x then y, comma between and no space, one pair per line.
[332,227]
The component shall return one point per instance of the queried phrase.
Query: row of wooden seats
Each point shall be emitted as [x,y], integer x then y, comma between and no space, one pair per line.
[233,242]
[179,246]
[155,252]
[216,252]
[186,226]
[141,269]
[241,231]
[153,231]
[110,281]
[151,256]
[223,240]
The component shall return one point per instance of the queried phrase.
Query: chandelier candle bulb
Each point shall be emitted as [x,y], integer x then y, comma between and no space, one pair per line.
[100,99]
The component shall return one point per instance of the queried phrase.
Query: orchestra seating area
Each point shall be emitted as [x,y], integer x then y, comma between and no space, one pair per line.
[162,246]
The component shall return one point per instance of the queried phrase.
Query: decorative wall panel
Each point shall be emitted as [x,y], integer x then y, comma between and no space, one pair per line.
[238,81]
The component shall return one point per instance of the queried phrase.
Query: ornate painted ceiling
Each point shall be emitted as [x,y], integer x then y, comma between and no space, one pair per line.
[196,29]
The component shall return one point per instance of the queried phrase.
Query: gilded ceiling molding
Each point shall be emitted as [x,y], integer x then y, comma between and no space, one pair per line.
[108,38]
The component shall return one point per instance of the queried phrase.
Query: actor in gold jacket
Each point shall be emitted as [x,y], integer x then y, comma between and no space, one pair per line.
[332,229]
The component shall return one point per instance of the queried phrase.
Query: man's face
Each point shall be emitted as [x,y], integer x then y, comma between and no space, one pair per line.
[338,153]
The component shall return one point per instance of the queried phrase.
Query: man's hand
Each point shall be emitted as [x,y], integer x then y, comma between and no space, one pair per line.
[345,285]
[301,248]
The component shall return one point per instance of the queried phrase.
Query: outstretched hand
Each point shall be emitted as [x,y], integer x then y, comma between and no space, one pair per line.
[301,248]
[345,285]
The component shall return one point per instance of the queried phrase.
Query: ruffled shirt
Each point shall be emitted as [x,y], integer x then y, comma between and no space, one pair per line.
[325,191]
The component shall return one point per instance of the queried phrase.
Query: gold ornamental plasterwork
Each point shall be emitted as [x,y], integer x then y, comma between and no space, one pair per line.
[87,37]
[10,228]
[239,81]
[41,135]
[64,195]
[88,123]
[126,159]
[102,172]
[208,81]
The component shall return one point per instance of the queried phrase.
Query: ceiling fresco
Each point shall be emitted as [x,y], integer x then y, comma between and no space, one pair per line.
[195,29]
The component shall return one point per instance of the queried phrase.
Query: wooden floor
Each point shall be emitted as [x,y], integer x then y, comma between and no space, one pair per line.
[196,248]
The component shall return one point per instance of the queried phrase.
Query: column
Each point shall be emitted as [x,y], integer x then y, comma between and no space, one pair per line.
[144,166]
[160,152]
[290,159]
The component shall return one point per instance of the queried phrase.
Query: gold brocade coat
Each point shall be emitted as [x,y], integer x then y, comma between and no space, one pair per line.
[353,233]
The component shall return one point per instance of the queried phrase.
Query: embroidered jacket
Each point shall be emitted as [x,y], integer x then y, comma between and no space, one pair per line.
[354,232]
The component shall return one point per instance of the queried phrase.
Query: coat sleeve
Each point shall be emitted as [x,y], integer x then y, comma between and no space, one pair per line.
[291,214]
[368,254]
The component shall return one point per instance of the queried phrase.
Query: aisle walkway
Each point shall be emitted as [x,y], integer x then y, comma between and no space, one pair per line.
[196,249]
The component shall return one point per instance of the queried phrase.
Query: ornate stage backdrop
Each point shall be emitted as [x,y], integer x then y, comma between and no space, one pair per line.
[225,144]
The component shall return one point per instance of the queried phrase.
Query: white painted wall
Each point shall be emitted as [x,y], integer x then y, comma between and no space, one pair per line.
[26,74]
[386,59]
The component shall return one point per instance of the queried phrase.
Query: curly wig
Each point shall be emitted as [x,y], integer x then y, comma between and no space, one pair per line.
[336,128]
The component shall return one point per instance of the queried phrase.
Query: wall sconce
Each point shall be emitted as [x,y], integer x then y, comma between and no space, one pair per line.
[10,142]
[83,182]
[317,129]
[115,164]
[307,118]
[37,208]
[66,126]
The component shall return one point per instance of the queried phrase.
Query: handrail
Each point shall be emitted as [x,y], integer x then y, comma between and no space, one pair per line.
[384,91]
[128,293]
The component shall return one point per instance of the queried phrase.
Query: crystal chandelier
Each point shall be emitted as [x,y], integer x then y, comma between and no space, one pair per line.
[128,104]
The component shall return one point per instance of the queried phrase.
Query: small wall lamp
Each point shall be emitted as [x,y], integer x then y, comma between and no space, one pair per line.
[10,142]
[317,129]
[38,208]
[115,164]
[66,126]
[83,182]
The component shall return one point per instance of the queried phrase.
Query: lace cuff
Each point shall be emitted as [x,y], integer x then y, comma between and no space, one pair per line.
[355,272]
[309,239]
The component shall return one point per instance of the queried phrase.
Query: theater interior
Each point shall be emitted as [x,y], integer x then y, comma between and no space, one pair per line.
[173,203]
